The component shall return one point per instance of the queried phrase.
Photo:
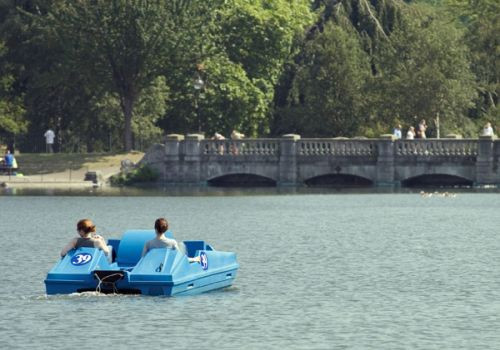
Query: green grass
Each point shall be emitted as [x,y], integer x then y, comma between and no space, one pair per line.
[44,163]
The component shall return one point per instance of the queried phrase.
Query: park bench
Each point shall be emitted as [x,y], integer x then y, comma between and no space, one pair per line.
[4,170]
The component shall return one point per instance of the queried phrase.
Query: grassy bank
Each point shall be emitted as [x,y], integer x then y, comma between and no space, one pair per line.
[44,163]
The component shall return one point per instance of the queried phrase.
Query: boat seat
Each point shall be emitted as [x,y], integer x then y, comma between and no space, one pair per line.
[115,243]
[193,246]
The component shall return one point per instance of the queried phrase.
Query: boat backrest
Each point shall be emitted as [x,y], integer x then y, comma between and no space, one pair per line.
[81,261]
[156,261]
[132,244]
[115,243]
[193,246]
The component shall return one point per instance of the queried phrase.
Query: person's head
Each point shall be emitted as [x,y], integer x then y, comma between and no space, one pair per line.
[161,225]
[85,227]
[488,125]
[399,126]
[412,128]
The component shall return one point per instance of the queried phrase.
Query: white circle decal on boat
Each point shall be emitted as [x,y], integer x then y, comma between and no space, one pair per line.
[81,259]
[204,261]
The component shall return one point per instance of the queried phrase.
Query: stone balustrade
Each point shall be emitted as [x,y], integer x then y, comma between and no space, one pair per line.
[351,148]
[293,160]
[436,147]
[232,148]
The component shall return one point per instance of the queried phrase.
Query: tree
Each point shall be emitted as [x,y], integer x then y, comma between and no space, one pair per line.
[105,116]
[481,22]
[240,63]
[122,45]
[366,24]
[12,121]
[327,95]
[424,73]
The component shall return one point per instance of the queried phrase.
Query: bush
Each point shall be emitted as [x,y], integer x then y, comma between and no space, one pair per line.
[142,174]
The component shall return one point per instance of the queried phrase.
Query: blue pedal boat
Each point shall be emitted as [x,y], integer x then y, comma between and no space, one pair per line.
[160,272]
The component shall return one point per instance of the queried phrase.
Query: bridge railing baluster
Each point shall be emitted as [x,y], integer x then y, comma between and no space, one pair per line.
[337,148]
[244,147]
[342,148]
[436,148]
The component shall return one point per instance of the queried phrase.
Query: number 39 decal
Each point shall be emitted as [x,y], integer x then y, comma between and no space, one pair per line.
[81,259]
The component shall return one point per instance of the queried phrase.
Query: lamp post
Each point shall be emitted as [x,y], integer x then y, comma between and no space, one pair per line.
[198,84]
[438,131]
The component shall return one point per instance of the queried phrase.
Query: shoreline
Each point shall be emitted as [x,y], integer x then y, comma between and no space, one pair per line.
[78,188]
[62,170]
[51,184]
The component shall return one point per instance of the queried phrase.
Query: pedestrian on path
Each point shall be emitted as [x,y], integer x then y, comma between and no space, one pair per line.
[49,140]
[9,161]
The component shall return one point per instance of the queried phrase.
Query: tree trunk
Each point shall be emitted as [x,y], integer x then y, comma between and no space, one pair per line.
[127,103]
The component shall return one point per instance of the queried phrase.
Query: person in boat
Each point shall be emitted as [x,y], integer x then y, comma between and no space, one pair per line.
[87,238]
[161,226]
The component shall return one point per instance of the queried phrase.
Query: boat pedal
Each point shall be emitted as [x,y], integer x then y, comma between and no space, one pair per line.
[108,276]
[107,280]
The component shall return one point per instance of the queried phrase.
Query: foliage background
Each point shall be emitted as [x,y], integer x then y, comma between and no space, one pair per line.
[108,75]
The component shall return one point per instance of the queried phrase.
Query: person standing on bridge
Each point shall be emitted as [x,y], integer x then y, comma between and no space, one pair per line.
[487,130]
[397,132]
[422,127]
[220,146]
[235,135]
[410,135]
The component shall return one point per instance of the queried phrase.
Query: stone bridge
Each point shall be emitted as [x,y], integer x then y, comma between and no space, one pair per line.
[291,160]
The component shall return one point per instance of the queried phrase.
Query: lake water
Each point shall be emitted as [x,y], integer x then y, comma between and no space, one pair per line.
[317,271]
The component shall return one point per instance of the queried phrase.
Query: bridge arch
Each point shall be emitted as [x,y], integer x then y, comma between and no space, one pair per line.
[437,180]
[338,180]
[241,180]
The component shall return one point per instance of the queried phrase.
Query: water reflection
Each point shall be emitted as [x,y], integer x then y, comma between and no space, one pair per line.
[172,191]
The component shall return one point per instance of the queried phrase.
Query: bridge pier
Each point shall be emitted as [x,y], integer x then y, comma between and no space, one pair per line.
[288,160]
[171,166]
[191,172]
[385,161]
[485,172]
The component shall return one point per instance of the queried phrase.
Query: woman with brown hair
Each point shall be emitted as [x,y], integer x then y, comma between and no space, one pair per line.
[161,241]
[88,238]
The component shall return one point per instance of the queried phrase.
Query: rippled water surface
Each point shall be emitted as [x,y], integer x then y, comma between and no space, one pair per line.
[336,271]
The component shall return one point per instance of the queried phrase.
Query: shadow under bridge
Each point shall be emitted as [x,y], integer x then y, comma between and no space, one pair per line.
[437,180]
[338,180]
[241,180]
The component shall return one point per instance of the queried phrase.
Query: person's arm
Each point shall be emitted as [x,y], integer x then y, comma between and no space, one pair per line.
[145,249]
[68,247]
[101,244]
[176,245]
